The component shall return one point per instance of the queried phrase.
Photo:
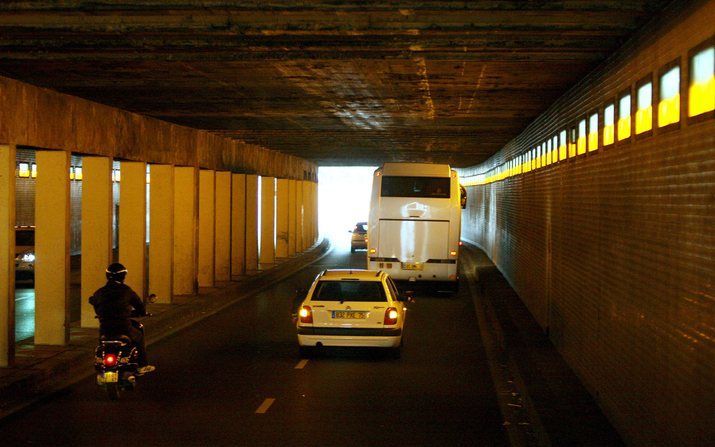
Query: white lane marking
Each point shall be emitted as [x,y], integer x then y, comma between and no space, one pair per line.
[301,364]
[265,405]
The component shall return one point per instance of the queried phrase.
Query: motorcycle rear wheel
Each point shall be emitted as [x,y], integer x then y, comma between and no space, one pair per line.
[113,391]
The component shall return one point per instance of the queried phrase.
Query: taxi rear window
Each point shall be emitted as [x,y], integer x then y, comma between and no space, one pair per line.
[360,291]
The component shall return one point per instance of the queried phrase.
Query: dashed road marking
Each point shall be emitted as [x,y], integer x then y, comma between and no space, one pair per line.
[301,364]
[265,405]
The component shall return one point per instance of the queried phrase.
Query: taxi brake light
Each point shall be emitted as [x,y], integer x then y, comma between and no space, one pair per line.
[110,360]
[306,315]
[390,316]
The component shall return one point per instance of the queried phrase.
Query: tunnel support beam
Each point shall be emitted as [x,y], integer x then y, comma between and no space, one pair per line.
[314,213]
[7,254]
[299,227]
[97,203]
[282,206]
[223,226]
[161,232]
[207,227]
[306,215]
[132,224]
[292,213]
[251,223]
[52,236]
[268,216]
[238,225]
[185,217]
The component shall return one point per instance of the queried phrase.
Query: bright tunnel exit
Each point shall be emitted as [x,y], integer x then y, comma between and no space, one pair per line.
[344,200]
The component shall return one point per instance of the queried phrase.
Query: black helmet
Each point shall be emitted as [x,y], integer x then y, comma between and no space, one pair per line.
[116,272]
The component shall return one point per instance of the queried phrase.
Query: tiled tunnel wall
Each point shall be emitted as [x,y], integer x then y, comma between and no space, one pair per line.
[613,251]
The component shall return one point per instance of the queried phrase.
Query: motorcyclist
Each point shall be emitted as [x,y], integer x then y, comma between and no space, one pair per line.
[114,304]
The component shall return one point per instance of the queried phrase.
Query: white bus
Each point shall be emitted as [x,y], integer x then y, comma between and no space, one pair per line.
[415,222]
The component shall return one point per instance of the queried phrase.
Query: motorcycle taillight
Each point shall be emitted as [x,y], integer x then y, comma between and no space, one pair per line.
[110,360]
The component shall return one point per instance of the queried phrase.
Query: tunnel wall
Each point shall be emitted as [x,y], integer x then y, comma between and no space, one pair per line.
[41,118]
[613,251]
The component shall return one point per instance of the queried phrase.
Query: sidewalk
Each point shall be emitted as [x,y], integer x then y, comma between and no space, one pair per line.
[40,370]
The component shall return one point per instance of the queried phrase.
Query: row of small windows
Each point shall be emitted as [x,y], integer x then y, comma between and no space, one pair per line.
[618,120]
[27,170]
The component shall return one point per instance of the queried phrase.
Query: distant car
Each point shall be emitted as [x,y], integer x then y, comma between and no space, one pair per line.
[352,308]
[359,238]
[24,253]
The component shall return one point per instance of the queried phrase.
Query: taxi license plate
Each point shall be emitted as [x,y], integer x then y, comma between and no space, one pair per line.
[349,315]
[111,377]
[411,266]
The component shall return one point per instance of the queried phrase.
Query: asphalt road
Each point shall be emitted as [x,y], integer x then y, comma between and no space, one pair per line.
[213,378]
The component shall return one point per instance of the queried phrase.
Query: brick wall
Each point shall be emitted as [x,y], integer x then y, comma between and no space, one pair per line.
[613,251]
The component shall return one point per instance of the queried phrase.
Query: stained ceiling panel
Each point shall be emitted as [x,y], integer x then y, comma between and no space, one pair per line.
[346,83]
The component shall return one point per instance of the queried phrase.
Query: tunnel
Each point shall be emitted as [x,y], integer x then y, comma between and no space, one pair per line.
[186,140]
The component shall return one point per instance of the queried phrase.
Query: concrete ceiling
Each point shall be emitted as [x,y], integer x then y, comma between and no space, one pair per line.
[336,82]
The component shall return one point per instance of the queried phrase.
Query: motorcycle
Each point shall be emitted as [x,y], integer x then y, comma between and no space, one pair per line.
[117,361]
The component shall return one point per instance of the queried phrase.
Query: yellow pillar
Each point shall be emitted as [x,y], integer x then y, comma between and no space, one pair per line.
[268,216]
[314,208]
[311,224]
[282,206]
[251,223]
[238,225]
[96,230]
[161,232]
[207,227]
[223,226]
[185,210]
[7,254]
[306,215]
[299,227]
[52,243]
[132,223]
[292,213]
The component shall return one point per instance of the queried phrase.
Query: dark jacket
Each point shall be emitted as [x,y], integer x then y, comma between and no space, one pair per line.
[114,304]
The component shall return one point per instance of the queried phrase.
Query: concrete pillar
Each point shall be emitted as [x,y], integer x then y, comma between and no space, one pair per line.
[251,223]
[207,227]
[292,213]
[132,223]
[314,208]
[7,253]
[311,212]
[316,211]
[299,227]
[223,226]
[97,205]
[268,221]
[238,225]
[185,217]
[282,206]
[306,215]
[161,232]
[52,243]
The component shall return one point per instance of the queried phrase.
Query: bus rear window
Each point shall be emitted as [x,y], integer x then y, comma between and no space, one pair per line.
[434,187]
[362,291]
